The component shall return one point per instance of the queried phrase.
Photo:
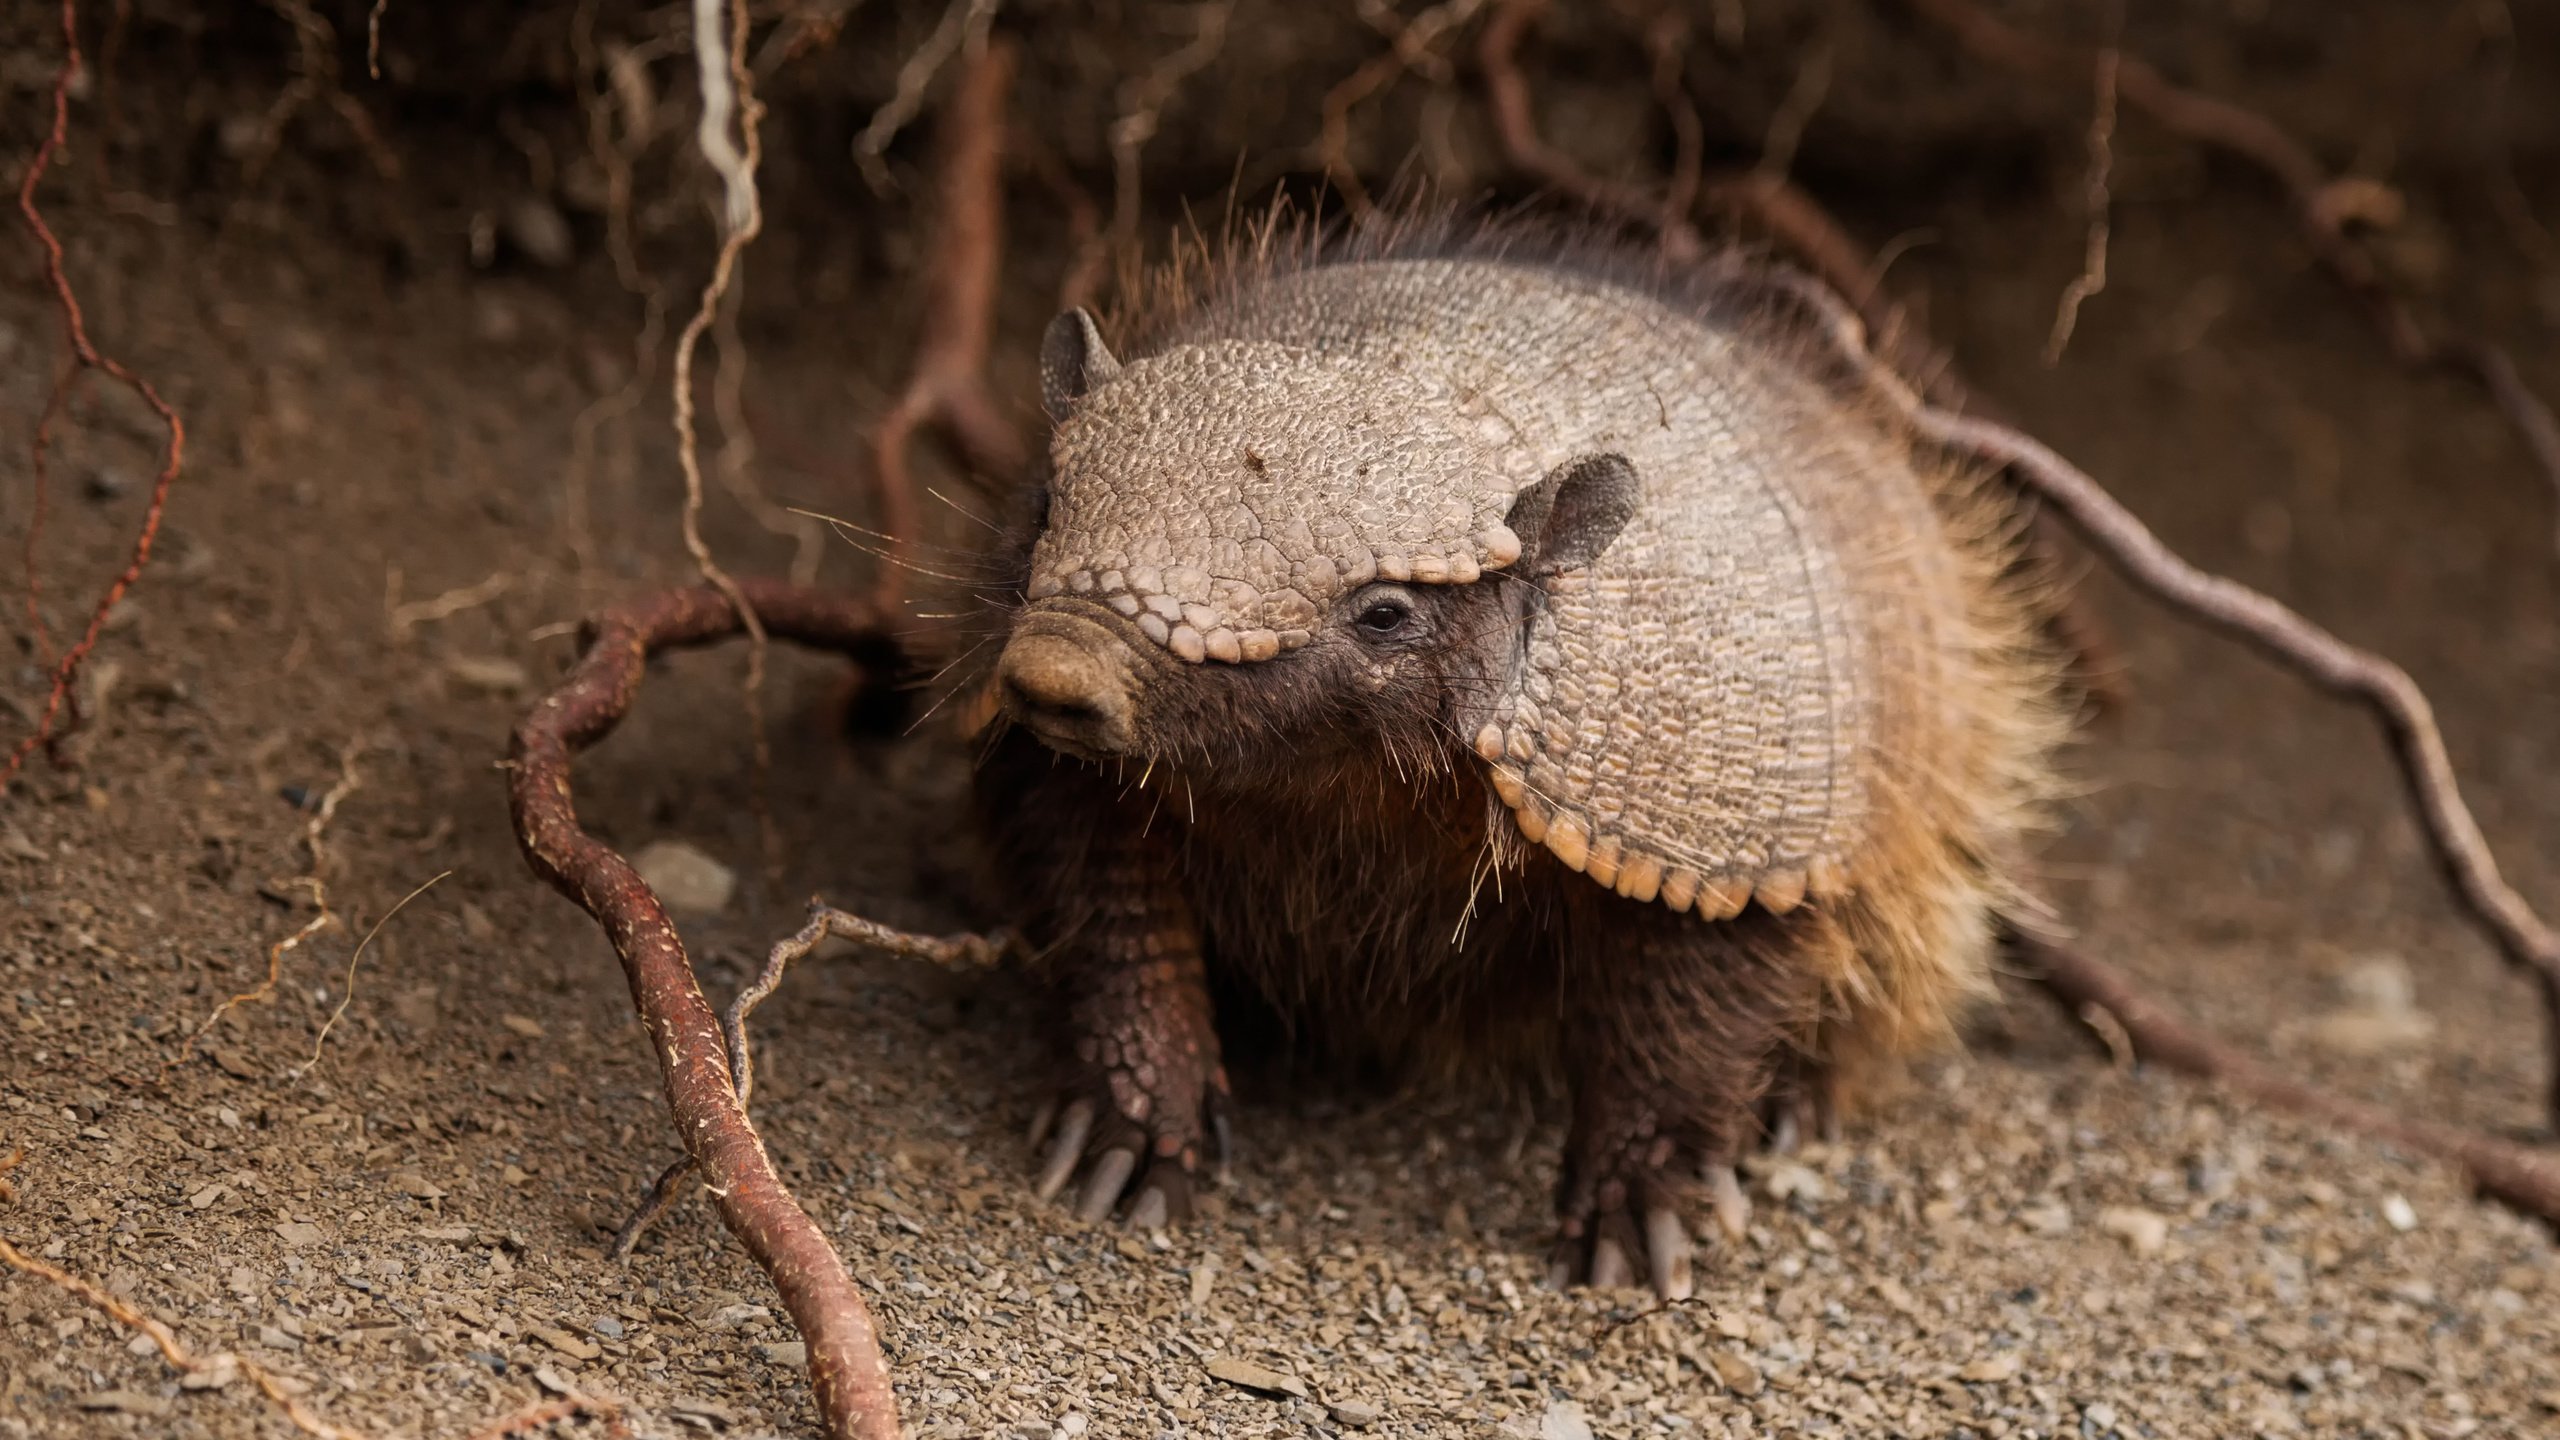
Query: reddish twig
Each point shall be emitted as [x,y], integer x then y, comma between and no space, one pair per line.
[2528,943]
[85,357]
[2330,208]
[845,1366]
[948,388]
[2090,989]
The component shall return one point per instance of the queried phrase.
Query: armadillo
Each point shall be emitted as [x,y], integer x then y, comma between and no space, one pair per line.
[1493,652]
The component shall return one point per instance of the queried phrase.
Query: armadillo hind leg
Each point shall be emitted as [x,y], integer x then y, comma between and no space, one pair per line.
[1674,1044]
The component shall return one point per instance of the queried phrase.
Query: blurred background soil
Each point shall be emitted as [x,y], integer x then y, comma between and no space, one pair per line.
[418,327]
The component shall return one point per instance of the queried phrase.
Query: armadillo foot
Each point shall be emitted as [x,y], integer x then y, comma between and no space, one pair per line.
[1093,1155]
[1624,1206]
[1127,1133]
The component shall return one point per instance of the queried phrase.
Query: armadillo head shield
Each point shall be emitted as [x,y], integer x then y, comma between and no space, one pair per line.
[1226,496]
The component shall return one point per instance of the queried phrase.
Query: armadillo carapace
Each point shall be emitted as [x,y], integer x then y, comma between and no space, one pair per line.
[1485,656]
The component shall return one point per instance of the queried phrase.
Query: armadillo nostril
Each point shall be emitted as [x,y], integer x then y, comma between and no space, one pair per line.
[1065,691]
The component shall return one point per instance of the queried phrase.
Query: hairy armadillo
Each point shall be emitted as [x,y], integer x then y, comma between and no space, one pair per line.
[1478,648]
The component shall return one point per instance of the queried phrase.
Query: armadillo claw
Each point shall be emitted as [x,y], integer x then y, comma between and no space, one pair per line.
[1095,1156]
[1068,1148]
[1603,1251]
[1667,1245]
[1733,1208]
[1102,1186]
[1609,1268]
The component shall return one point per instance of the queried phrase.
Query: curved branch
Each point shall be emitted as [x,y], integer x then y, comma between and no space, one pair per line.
[2524,1178]
[851,1379]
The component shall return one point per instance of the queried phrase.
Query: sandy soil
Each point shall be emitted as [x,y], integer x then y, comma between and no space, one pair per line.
[2024,1241]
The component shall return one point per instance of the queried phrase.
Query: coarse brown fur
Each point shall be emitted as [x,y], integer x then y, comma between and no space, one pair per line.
[1331,845]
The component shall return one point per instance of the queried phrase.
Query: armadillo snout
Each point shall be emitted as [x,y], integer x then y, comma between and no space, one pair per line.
[1068,680]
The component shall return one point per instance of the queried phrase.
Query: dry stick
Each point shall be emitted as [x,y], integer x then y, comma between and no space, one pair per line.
[401,618]
[845,1367]
[85,357]
[2529,944]
[948,387]
[967,950]
[2325,205]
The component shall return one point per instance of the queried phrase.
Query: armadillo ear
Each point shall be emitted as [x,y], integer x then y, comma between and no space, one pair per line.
[1567,519]
[1073,360]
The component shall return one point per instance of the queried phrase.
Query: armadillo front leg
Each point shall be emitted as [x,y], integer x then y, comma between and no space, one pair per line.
[1671,1045]
[1144,1087]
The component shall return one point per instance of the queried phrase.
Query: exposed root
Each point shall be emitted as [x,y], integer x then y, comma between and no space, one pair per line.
[845,1366]
[2332,209]
[737,464]
[948,386]
[2094,197]
[1142,103]
[966,950]
[2528,943]
[2102,997]
[347,993]
[400,617]
[726,86]
[218,1369]
[316,65]
[315,842]
[85,356]
[1516,126]
[663,1193]
[964,20]
[1413,46]
[1795,113]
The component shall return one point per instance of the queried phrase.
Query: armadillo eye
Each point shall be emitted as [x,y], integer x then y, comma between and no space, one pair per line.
[1385,616]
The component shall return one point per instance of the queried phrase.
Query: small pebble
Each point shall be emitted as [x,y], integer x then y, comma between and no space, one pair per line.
[1247,1375]
[2396,1213]
[2143,1232]
[687,881]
